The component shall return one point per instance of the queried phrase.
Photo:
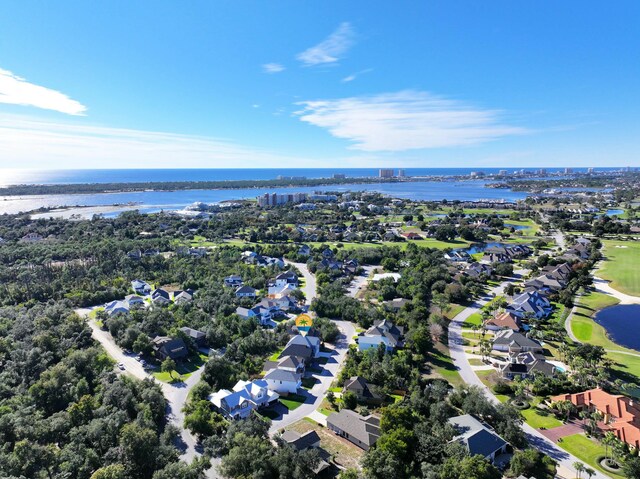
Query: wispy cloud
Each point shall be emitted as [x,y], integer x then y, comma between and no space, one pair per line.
[331,49]
[18,91]
[353,76]
[29,143]
[405,120]
[273,68]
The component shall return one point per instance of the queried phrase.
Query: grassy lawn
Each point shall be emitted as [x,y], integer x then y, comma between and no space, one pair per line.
[454,310]
[344,453]
[275,356]
[586,450]
[538,421]
[582,324]
[620,266]
[183,370]
[442,365]
[474,320]
[292,401]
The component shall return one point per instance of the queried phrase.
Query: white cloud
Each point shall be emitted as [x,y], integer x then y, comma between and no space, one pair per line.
[406,120]
[27,143]
[353,76]
[18,91]
[273,68]
[331,49]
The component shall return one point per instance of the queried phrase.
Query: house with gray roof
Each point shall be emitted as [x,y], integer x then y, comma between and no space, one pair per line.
[363,431]
[283,381]
[198,337]
[246,396]
[382,332]
[511,341]
[360,387]
[166,347]
[478,438]
[306,347]
[530,304]
[141,287]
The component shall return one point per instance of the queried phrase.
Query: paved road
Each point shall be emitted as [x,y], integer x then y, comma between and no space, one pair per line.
[309,289]
[460,360]
[175,394]
[359,281]
[315,395]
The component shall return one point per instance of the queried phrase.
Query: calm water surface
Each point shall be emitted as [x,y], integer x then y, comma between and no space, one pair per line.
[622,324]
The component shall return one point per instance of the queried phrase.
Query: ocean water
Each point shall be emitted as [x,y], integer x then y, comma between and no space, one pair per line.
[18,176]
[153,201]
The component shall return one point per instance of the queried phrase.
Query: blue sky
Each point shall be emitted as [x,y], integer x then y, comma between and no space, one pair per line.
[314,84]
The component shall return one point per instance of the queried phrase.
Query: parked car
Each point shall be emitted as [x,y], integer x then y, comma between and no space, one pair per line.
[121,366]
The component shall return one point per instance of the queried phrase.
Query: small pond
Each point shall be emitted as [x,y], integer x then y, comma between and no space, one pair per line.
[515,227]
[614,212]
[479,247]
[622,324]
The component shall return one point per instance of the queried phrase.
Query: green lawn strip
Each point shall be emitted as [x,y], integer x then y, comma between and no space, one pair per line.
[442,365]
[454,310]
[335,389]
[474,320]
[587,450]
[585,328]
[620,266]
[276,355]
[292,401]
[183,370]
[476,362]
[539,421]
[325,411]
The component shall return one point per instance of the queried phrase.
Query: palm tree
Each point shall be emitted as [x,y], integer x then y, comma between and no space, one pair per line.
[589,472]
[609,441]
[485,348]
[579,467]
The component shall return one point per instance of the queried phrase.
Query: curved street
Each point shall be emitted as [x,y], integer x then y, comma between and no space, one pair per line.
[468,375]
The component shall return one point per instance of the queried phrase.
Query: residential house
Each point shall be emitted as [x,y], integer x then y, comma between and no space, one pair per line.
[620,414]
[294,364]
[302,442]
[412,235]
[382,332]
[140,287]
[304,250]
[182,297]
[457,256]
[160,297]
[506,320]
[526,365]
[511,341]
[245,292]
[475,270]
[31,238]
[117,307]
[305,347]
[363,431]
[530,304]
[133,300]
[260,313]
[246,396]
[478,438]
[233,281]
[360,387]
[198,337]
[396,304]
[166,347]
[135,254]
[283,381]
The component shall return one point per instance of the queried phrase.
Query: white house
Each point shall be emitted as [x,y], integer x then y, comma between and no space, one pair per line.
[140,287]
[245,397]
[283,381]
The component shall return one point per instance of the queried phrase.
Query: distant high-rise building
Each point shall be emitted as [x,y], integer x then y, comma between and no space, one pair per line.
[589,170]
[568,171]
[386,173]
[502,173]
[477,174]
[339,176]
[275,199]
[542,171]
[401,173]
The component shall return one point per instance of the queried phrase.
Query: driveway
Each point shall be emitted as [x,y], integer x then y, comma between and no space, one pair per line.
[359,281]
[318,392]
[535,438]
[176,394]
